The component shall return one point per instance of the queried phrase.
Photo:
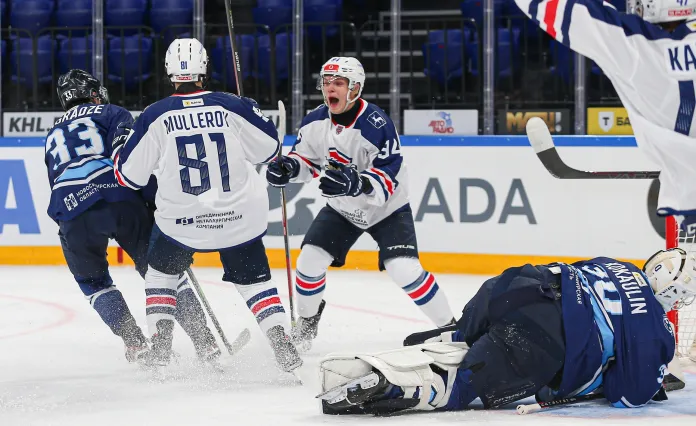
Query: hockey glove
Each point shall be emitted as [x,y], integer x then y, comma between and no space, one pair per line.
[123,130]
[341,180]
[281,170]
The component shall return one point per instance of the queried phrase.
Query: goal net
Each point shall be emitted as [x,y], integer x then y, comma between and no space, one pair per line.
[684,319]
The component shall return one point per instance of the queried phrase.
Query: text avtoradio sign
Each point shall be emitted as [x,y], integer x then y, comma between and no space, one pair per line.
[513,122]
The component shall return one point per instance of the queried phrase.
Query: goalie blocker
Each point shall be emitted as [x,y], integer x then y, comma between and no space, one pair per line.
[550,331]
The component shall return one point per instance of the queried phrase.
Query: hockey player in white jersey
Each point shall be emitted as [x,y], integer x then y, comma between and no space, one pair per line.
[650,57]
[202,147]
[365,179]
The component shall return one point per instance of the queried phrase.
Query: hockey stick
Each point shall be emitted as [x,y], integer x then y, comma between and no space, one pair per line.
[542,142]
[671,383]
[233,46]
[283,206]
[533,408]
[243,337]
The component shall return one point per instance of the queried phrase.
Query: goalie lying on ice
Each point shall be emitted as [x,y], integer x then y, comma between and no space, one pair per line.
[551,331]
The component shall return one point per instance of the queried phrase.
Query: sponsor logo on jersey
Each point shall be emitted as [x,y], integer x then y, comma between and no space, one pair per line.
[377,120]
[443,125]
[70,201]
[193,102]
[184,221]
[339,129]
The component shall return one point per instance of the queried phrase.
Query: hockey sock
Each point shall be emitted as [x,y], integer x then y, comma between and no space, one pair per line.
[421,287]
[160,297]
[263,301]
[310,279]
[189,312]
[108,301]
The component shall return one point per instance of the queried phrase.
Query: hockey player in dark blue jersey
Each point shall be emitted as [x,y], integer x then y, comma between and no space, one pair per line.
[549,331]
[91,208]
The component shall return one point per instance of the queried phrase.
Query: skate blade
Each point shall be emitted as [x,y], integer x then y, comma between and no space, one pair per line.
[339,393]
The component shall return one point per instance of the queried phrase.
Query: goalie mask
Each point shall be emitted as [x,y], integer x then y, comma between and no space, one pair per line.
[345,67]
[658,11]
[672,276]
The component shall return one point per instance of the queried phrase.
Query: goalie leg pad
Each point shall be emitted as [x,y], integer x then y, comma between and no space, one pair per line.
[409,368]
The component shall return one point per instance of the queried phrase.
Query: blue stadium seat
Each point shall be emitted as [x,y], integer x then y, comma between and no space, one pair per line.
[171,17]
[282,58]
[453,36]
[223,62]
[3,8]
[75,53]
[323,13]
[563,60]
[22,60]
[31,15]
[274,3]
[129,59]
[3,51]
[122,13]
[74,13]
[273,17]
[508,52]
[312,3]
[443,63]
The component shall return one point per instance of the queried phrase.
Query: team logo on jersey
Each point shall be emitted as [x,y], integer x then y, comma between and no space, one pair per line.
[193,102]
[668,324]
[606,120]
[376,120]
[339,129]
[339,156]
[70,201]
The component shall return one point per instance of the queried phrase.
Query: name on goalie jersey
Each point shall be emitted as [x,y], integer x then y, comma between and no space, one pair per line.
[196,120]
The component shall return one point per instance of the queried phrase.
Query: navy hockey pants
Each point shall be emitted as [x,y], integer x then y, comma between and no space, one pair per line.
[85,238]
[514,328]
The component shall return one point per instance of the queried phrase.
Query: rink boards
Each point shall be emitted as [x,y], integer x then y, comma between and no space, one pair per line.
[481,203]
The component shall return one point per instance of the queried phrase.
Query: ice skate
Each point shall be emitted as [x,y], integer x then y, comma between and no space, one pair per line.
[135,342]
[306,330]
[285,352]
[160,353]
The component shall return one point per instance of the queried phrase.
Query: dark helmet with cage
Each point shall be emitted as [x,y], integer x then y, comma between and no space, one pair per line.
[77,87]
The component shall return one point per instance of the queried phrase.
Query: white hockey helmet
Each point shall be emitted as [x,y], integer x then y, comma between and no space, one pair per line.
[672,276]
[657,11]
[346,67]
[186,60]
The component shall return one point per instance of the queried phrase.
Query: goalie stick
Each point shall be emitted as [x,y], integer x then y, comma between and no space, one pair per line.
[542,142]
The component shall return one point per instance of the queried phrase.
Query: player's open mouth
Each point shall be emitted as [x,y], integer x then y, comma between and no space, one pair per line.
[333,101]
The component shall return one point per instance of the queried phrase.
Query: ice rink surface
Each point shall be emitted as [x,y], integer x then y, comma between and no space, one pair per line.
[60,365]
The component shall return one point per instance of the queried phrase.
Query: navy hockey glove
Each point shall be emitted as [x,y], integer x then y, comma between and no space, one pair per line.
[281,170]
[341,180]
[121,134]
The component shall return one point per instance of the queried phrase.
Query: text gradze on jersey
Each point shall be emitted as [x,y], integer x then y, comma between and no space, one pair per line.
[200,120]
